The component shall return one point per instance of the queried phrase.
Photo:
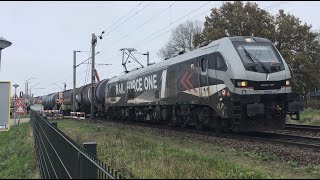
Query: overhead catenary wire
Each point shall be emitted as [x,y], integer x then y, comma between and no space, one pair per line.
[168,25]
[173,23]
[124,16]
[159,35]
[103,32]
[270,7]
[126,35]
[267,8]
[126,20]
[208,11]
[275,5]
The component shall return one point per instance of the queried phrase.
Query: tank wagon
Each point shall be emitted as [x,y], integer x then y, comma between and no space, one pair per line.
[236,83]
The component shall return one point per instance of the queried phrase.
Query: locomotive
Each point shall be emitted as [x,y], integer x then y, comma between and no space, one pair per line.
[234,83]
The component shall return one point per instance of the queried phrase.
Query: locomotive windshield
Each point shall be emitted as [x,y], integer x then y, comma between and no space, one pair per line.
[262,53]
[259,57]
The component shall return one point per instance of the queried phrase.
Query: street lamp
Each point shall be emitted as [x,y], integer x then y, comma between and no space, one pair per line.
[15,88]
[3,44]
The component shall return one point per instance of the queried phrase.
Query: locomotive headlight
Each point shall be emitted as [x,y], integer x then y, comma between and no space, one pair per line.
[287,82]
[242,83]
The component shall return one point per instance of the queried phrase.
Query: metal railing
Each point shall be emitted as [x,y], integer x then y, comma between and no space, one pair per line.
[59,157]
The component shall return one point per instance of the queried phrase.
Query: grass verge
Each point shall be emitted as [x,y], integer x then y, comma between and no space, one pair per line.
[17,157]
[308,116]
[147,155]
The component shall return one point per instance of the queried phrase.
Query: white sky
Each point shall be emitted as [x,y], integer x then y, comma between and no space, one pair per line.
[44,35]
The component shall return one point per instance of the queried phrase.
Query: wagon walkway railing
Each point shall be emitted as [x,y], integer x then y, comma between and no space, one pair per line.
[59,157]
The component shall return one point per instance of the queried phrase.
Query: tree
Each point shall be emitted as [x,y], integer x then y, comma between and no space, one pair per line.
[300,48]
[236,19]
[181,39]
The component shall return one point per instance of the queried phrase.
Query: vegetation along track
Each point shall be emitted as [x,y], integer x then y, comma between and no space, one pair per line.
[293,140]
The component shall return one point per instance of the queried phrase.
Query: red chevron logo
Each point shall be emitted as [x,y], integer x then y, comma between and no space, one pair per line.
[186,81]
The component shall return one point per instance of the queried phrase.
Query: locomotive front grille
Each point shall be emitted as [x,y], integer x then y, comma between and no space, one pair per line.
[266,85]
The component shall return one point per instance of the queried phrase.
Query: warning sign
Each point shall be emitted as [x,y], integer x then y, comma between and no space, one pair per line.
[14,97]
[19,104]
[20,110]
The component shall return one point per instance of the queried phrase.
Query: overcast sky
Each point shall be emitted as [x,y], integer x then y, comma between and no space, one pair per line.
[44,35]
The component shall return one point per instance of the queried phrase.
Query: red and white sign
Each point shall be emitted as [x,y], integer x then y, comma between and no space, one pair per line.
[14,97]
[19,104]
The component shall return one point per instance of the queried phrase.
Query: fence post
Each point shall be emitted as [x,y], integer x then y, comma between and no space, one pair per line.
[91,147]
[55,124]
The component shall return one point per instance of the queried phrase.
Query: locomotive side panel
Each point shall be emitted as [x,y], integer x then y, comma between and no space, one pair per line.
[142,89]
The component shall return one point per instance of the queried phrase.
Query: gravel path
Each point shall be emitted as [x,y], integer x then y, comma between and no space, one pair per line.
[22,120]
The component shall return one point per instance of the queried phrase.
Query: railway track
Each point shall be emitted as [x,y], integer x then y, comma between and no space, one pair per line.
[292,140]
[300,127]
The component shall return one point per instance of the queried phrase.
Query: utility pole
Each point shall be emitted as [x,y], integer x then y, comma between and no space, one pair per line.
[26,90]
[74,82]
[93,44]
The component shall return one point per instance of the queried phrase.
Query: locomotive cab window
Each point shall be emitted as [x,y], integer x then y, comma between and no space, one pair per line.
[220,63]
[204,63]
[217,62]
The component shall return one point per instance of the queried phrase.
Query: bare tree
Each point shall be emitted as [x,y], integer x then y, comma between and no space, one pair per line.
[181,39]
